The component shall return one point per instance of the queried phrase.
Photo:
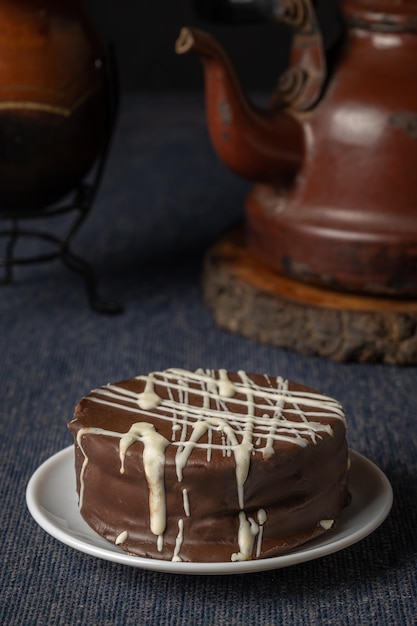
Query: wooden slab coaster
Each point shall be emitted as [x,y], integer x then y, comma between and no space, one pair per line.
[250,299]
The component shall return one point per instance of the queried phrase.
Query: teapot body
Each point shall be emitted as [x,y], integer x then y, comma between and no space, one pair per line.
[348,219]
[334,157]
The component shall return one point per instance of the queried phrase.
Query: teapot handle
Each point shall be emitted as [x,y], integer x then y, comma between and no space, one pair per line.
[302,83]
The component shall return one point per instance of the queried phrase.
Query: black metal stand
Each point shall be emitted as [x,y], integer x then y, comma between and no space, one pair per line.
[81,205]
[61,248]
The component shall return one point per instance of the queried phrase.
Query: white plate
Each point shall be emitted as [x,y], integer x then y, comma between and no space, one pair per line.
[52,500]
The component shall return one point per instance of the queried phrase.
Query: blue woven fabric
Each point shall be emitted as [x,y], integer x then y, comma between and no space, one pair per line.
[164,199]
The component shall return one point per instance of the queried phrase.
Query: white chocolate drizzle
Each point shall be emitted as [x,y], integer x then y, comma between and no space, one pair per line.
[250,418]
[226,388]
[248,529]
[326,523]
[178,542]
[121,538]
[186,502]
[154,446]
[148,399]
[91,431]
[261,522]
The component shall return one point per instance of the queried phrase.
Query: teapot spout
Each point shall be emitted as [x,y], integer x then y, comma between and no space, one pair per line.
[257,144]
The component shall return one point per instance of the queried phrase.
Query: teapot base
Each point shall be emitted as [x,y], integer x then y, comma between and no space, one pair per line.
[249,298]
[359,249]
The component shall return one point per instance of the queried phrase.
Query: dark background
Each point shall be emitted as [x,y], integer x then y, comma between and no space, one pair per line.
[144,35]
[165,197]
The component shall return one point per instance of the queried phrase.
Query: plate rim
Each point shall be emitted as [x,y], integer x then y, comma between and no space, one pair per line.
[301,554]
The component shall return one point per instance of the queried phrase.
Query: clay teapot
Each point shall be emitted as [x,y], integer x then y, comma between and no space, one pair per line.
[334,156]
[53,108]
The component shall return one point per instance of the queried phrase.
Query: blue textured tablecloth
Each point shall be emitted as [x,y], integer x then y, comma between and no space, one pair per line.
[164,199]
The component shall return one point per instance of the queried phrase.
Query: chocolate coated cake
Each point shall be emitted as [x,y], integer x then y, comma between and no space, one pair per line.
[209,465]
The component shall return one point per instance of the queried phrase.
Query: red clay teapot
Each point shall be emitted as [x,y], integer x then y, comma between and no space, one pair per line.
[334,157]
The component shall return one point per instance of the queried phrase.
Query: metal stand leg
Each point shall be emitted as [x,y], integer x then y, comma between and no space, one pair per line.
[14,233]
[77,264]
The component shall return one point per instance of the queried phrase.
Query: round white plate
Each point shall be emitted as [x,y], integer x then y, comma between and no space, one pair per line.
[52,500]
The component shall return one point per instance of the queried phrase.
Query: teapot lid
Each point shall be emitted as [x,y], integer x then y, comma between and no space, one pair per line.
[381,14]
